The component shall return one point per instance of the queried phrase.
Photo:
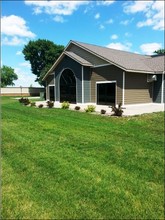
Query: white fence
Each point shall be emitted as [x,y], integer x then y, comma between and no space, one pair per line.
[21,91]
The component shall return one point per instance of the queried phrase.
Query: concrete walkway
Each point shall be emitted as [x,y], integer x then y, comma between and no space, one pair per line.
[128,110]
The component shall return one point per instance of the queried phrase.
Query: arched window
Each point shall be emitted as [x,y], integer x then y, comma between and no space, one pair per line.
[68,86]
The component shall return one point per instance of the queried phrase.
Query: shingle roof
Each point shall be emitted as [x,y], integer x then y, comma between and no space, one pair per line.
[156,63]
[126,60]
[78,58]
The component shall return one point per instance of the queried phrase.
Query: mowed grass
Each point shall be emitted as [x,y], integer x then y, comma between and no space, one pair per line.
[62,164]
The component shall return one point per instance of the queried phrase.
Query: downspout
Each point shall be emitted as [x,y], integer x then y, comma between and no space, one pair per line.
[123,91]
[162,93]
[82,72]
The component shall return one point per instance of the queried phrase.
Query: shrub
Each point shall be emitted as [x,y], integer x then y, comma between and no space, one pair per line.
[50,104]
[77,108]
[21,100]
[65,105]
[40,106]
[33,104]
[117,110]
[103,111]
[24,101]
[90,108]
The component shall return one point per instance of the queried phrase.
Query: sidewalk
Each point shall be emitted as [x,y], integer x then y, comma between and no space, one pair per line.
[129,110]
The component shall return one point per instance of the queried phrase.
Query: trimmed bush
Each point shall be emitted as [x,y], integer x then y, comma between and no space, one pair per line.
[50,104]
[40,106]
[65,105]
[117,110]
[24,101]
[33,104]
[103,111]
[77,108]
[90,108]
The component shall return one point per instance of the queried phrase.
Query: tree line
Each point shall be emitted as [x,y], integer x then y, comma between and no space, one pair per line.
[41,54]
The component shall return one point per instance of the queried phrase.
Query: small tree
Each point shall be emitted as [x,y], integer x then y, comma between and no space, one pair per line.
[7,76]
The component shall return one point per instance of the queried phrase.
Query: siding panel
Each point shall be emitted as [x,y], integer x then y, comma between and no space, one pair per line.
[137,90]
[108,73]
[86,55]
[87,84]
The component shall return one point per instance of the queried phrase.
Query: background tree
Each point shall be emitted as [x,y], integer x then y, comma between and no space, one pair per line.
[7,76]
[160,51]
[41,54]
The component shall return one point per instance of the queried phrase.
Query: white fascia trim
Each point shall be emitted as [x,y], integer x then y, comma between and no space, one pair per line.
[162,92]
[139,71]
[101,65]
[82,72]
[123,91]
[100,82]
[53,66]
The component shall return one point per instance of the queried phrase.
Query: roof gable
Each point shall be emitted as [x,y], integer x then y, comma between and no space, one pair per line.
[125,60]
[93,56]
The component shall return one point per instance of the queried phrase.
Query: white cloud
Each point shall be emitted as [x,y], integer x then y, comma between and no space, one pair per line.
[149,48]
[59,19]
[55,7]
[25,64]
[19,53]
[114,37]
[25,78]
[120,46]
[126,22]
[152,10]
[97,16]
[13,41]
[15,31]
[137,6]
[106,3]
[110,21]
[101,27]
[15,26]
[127,34]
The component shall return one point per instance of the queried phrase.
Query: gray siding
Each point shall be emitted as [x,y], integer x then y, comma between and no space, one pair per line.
[68,63]
[86,55]
[137,89]
[157,90]
[107,73]
[87,84]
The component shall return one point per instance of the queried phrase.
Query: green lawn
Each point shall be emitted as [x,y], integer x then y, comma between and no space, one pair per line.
[62,164]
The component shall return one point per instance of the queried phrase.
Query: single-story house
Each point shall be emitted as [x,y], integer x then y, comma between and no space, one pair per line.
[86,73]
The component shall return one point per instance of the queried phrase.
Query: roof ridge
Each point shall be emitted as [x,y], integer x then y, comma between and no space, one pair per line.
[112,49]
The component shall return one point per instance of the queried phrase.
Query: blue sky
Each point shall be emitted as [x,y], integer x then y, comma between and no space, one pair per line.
[135,26]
